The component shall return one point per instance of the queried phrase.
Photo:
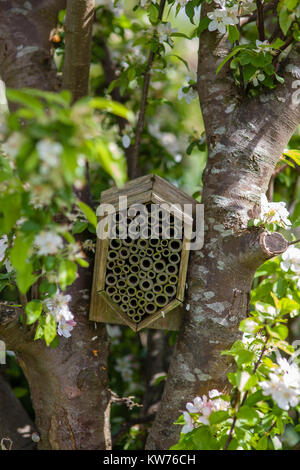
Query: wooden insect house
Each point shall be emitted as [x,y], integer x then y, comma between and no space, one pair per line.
[142,254]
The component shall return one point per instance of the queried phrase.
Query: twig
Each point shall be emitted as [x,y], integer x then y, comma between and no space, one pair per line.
[134,158]
[229,439]
[260,20]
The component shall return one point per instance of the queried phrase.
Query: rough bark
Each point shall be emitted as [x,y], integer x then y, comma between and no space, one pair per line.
[78,31]
[68,384]
[245,140]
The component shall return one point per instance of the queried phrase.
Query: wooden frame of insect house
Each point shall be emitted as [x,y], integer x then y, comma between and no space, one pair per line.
[139,280]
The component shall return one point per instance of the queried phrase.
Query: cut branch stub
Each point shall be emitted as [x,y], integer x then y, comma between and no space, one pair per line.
[147,287]
[273,244]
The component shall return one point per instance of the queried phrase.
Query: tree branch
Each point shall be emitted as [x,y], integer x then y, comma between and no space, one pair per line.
[133,169]
[78,33]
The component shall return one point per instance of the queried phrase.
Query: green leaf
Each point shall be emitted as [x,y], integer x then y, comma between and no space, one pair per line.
[285,20]
[67,273]
[25,278]
[228,57]
[262,443]
[33,311]
[279,331]
[233,34]
[88,212]
[50,329]
[110,106]
[248,415]
[218,417]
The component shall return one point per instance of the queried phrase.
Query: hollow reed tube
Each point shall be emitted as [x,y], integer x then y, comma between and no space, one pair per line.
[170,290]
[111,279]
[150,308]
[161,300]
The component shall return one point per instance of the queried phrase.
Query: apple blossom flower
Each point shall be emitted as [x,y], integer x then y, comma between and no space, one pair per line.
[291,260]
[221,17]
[273,213]
[262,46]
[283,384]
[58,307]
[164,31]
[64,327]
[13,144]
[49,152]
[3,248]
[189,425]
[48,243]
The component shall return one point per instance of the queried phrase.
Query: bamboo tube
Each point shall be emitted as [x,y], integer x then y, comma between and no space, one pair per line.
[166,252]
[149,296]
[174,258]
[122,291]
[151,274]
[139,293]
[142,253]
[111,279]
[164,243]
[150,252]
[170,290]
[150,308]
[134,268]
[146,263]
[159,249]
[132,280]
[110,265]
[123,276]
[161,300]
[126,269]
[121,283]
[115,243]
[125,308]
[117,270]
[133,302]
[112,255]
[142,274]
[173,279]
[146,284]
[175,245]
[136,318]
[142,302]
[111,290]
[159,266]
[154,242]
[140,311]
[120,262]
[128,242]
[125,298]
[134,259]
[157,288]
[116,298]
[133,249]
[162,279]
[171,269]
[130,312]
[142,243]
[124,252]
[131,291]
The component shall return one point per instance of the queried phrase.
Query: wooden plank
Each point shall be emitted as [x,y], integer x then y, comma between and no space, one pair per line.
[116,309]
[170,193]
[133,187]
[148,321]
[183,270]
[172,320]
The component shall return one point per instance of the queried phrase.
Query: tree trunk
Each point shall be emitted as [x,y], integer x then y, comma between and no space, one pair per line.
[68,384]
[245,140]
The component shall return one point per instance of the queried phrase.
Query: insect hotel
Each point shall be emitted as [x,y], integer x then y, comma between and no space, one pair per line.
[142,255]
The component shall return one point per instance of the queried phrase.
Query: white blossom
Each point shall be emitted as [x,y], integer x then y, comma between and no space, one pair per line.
[189,425]
[262,46]
[49,152]
[124,367]
[64,327]
[58,306]
[3,248]
[189,95]
[48,243]
[291,260]
[126,141]
[13,144]
[203,407]
[273,213]
[283,384]
[164,31]
[222,17]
